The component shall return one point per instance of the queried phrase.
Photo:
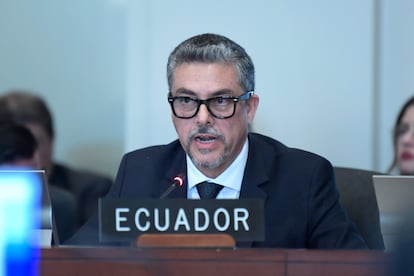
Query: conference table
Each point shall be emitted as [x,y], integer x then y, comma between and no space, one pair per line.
[119,261]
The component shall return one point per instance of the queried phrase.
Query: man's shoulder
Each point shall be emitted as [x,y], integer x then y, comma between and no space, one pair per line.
[157,151]
[270,146]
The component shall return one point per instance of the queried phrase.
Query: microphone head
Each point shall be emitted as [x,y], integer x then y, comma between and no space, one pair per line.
[179,180]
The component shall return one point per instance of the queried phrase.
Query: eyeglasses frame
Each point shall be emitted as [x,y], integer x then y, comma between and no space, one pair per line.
[244,97]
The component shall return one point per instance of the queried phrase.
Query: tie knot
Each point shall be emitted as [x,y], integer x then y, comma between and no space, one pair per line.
[208,190]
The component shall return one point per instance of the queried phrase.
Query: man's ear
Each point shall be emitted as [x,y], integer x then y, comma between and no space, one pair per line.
[252,105]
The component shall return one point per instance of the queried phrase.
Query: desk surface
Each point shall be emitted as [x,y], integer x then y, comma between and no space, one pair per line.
[134,261]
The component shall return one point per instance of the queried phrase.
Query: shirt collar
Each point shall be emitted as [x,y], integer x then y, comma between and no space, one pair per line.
[231,178]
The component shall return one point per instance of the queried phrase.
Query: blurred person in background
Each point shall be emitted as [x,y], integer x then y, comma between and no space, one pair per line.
[18,147]
[31,110]
[19,150]
[403,141]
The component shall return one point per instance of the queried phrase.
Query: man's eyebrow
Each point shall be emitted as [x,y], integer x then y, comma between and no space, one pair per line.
[190,93]
[223,92]
[187,92]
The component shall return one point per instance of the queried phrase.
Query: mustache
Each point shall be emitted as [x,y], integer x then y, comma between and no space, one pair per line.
[205,130]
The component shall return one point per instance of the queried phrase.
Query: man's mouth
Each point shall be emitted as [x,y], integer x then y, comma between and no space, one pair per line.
[205,139]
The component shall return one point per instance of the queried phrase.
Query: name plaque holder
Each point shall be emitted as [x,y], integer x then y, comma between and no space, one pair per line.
[185,241]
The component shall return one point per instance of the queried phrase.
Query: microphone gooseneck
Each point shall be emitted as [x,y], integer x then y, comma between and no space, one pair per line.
[178,181]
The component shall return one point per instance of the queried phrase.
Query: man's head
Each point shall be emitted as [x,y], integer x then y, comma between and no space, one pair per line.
[18,147]
[213,48]
[31,111]
[211,132]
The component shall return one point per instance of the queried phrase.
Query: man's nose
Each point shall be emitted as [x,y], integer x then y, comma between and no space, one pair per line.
[203,116]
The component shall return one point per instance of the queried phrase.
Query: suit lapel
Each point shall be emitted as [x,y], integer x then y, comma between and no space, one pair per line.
[255,177]
[255,173]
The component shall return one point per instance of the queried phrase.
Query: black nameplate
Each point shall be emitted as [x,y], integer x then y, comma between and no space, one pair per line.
[126,219]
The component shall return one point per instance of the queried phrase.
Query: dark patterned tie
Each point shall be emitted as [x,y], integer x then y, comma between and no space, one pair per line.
[208,190]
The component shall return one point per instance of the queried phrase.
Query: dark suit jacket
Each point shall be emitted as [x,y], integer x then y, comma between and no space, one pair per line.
[302,208]
[85,187]
[64,212]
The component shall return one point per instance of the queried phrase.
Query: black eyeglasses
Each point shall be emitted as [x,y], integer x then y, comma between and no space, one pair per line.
[222,107]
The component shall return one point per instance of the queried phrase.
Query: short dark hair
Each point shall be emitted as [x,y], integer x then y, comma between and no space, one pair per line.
[213,48]
[16,142]
[24,107]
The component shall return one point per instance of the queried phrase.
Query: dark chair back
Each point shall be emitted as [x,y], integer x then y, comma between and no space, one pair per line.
[357,196]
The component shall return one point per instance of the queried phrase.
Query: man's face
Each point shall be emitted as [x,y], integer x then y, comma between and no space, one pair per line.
[45,145]
[212,143]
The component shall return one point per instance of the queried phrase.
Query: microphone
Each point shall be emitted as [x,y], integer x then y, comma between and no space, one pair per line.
[178,181]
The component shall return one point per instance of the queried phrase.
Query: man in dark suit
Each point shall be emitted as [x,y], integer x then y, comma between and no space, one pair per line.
[211,83]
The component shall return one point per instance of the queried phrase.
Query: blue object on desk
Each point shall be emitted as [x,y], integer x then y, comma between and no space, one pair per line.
[20,195]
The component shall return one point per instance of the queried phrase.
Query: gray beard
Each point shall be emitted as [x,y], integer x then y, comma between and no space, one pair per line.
[209,165]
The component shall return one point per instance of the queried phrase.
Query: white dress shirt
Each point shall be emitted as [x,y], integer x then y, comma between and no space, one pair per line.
[231,178]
